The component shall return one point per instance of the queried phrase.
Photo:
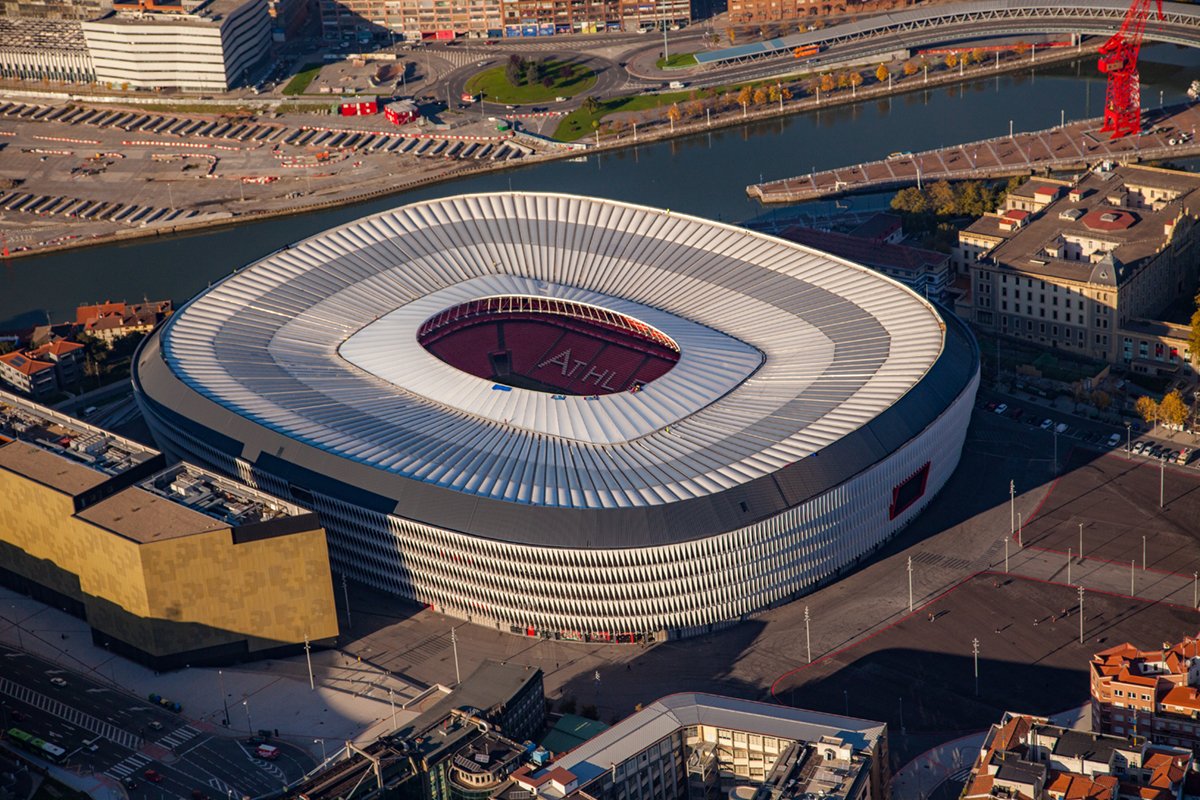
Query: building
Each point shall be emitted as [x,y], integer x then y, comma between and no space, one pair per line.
[552,402]
[415,20]
[38,49]
[1150,693]
[464,747]
[1027,758]
[744,12]
[53,9]
[169,565]
[42,371]
[703,747]
[35,378]
[1074,265]
[109,321]
[926,272]
[211,46]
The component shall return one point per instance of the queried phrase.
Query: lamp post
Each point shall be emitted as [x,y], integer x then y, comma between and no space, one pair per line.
[1081,542]
[1162,476]
[249,725]
[1020,526]
[308,658]
[910,596]
[1005,557]
[1128,439]
[392,700]
[454,644]
[1068,565]
[224,699]
[807,638]
[1012,506]
[324,755]
[975,653]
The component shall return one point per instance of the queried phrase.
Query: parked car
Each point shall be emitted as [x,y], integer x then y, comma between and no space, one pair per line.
[129,783]
[1114,440]
[155,725]
[1000,409]
[57,681]
[1138,447]
[1061,427]
[153,776]
[1046,423]
[1185,455]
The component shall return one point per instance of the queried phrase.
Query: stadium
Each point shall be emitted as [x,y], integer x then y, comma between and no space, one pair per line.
[568,417]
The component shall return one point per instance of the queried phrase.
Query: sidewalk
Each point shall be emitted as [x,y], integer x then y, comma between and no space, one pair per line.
[351,700]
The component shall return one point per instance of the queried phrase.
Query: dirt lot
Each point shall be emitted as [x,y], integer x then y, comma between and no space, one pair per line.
[1117,502]
[1030,659]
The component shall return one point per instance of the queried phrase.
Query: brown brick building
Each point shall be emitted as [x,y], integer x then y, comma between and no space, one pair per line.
[1150,693]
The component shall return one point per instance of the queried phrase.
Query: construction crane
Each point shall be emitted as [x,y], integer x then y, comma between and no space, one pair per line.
[1118,60]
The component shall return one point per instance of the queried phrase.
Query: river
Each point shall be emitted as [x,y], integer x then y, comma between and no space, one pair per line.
[705,174]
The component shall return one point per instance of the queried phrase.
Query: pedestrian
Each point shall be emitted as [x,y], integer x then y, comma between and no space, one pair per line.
[931,616]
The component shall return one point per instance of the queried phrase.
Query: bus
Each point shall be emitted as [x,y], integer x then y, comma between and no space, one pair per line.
[50,752]
[806,51]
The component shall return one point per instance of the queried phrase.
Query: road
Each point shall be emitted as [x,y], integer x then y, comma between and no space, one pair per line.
[108,732]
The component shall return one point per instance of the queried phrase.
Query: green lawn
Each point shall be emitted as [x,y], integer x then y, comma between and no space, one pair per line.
[578,123]
[299,84]
[677,61]
[571,79]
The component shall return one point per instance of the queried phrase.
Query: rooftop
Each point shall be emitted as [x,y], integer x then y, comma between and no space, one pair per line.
[61,451]
[875,254]
[662,718]
[1124,217]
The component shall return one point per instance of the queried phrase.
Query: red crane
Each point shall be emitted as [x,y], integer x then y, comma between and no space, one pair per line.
[1118,60]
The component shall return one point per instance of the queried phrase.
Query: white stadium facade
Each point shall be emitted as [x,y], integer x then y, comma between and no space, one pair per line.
[569,417]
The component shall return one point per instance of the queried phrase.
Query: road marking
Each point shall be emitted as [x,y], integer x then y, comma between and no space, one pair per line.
[178,737]
[96,691]
[73,715]
[127,766]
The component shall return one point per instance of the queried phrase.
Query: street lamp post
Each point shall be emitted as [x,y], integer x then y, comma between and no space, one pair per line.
[1020,528]
[324,755]
[807,638]
[454,644]
[249,725]
[308,658]
[1128,439]
[1081,542]
[1068,565]
[1162,473]
[1195,599]
[224,699]
[1132,592]
[975,652]
[392,700]
[1143,552]
[1012,506]
[1056,450]
[910,598]
[1005,556]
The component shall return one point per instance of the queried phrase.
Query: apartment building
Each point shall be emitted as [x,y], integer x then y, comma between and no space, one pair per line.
[1070,267]
[42,371]
[415,20]
[1151,693]
[1026,758]
[703,747]
[109,321]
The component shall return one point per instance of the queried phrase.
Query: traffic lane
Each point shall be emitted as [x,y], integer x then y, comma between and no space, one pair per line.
[223,764]
[89,696]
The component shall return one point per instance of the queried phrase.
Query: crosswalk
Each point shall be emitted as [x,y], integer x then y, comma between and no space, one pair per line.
[71,715]
[177,737]
[130,765]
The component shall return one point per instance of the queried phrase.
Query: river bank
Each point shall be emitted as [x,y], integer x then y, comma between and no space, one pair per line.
[621,141]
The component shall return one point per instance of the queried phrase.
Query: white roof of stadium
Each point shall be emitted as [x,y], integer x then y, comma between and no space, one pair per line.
[783,350]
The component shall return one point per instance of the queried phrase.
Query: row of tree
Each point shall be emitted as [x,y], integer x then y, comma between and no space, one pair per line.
[1171,410]
[522,71]
[944,199]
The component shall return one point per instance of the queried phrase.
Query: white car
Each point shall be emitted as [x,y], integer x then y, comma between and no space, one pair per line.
[1046,423]
[1061,427]
[1114,440]
[57,681]
[1000,409]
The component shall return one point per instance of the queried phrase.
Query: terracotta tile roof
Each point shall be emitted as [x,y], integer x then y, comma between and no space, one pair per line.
[56,348]
[24,364]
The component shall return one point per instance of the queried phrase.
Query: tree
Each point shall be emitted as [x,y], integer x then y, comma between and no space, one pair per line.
[760,96]
[977,56]
[1101,400]
[590,104]
[942,199]
[785,93]
[674,114]
[1147,409]
[855,78]
[1022,48]
[826,83]
[910,200]
[882,73]
[773,93]
[514,69]
[911,68]
[843,80]
[732,36]
[1173,410]
[745,96]
[951,60]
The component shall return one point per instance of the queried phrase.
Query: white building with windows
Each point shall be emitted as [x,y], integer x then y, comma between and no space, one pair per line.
[693,746]
[213,46]
[568,417]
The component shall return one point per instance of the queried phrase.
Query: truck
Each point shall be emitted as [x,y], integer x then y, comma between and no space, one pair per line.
[677,85]
[268,751]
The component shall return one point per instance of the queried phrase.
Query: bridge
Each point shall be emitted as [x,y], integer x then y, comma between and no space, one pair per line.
[936,24]
[1170,134]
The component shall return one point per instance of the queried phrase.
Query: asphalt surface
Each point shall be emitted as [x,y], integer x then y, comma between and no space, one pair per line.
[108,732]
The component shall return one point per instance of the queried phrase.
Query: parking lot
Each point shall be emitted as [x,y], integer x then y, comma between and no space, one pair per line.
[76,172]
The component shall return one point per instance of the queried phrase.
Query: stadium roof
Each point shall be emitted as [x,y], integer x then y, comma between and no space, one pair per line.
[840,346]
